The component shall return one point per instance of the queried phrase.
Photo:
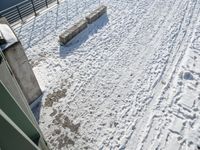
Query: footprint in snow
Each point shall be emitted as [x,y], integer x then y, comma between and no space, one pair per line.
[188,76]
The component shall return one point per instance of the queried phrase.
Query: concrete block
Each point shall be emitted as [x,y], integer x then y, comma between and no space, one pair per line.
[96,14]
[81,25]
[66,36]
[92,17]
[101,10]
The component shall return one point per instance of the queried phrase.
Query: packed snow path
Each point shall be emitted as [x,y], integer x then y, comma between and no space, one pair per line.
[130,81]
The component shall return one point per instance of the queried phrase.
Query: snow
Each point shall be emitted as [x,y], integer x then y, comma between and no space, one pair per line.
[177,125]
[130,81]
[8,35]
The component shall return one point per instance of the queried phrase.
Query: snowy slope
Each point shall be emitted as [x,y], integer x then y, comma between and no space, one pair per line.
[130,81]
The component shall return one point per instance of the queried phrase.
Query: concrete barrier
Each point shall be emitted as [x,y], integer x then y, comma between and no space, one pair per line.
[23,72]
[18,63]
[96,14]
[66,36]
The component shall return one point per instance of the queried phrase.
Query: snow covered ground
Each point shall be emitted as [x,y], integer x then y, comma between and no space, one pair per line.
[130,81]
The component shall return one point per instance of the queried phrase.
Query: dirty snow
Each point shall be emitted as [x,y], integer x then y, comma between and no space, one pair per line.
[130,81]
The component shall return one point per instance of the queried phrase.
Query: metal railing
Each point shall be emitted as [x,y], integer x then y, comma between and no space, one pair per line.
[23,10]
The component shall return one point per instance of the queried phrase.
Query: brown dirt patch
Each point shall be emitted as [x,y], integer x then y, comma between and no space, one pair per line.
[54,97]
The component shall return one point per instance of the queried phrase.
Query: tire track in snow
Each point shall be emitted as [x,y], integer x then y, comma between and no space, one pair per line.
[179,58]
[183,143]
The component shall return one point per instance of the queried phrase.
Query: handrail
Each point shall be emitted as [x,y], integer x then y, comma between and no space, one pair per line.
[21,10]
[13,6]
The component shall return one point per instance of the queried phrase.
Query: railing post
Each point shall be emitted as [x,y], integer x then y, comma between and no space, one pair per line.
[34,8]
[19,13]
[46,3]
[58,2]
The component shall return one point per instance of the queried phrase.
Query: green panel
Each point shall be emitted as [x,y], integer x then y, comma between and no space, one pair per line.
[8,79]
[11,108]
[12,137]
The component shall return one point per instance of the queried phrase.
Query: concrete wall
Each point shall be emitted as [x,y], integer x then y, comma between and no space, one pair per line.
[22,70]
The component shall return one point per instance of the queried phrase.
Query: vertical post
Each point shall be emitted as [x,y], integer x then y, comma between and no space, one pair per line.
[19,13]
[34,7]
[46,3]
[58,2]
